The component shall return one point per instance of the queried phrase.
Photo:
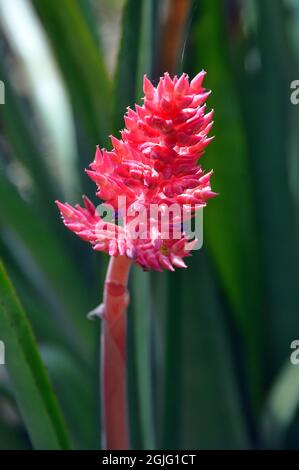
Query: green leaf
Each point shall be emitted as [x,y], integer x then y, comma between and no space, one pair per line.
[89,11]
[230,228]
[265,99]
[146,44]
[212,412]
[82,66]
[140,349]
[32,301]
[173,363]
[25,145]
[281,406]
[73,386]
[54,265]
[28,375]
[127,63]
[11,438]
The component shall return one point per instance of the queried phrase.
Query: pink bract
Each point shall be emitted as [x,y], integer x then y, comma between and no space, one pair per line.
[154,162]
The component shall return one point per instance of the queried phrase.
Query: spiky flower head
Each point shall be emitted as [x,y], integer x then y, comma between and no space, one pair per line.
[155,162]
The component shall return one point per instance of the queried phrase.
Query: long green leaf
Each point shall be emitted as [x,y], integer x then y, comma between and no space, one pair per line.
[72,386]
[82,66]
[26,148]
[11,438]
[127,64]
[173,363]
[89,11]
[229,221]
[31,298]
[30,381]
[141,355]
[281,407]
[265,99]
[146,44]
[51,257]
[212,410]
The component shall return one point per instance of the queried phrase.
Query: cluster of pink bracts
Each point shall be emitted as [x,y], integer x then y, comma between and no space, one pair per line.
[154,162]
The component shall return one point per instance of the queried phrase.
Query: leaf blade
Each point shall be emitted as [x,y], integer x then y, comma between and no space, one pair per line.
[32,388]
[82,65]
[233,246]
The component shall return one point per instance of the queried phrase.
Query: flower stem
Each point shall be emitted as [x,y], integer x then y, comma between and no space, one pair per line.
[113,344]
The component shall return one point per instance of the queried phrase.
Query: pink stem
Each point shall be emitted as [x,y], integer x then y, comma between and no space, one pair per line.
[113,372]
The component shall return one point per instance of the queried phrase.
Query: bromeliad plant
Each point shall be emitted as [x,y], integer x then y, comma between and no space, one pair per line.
[154,162]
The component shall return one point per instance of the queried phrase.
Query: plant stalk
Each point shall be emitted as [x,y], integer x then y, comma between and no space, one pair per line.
[114,355]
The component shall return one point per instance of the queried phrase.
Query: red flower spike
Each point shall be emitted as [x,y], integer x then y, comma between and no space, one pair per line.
[154,162]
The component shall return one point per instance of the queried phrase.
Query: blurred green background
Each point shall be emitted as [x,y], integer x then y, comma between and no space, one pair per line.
[209,346]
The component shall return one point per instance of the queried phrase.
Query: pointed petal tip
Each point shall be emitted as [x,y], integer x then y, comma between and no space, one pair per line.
[98,153]
[166,263]
[178,261]
[59,204]
[66,210]
[208,140]
[148,88]
[88,204]
[181,84]
[196,82]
